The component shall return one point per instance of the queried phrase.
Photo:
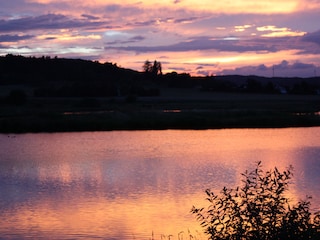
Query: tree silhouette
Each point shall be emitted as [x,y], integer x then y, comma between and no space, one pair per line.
[154,70]
[147,66]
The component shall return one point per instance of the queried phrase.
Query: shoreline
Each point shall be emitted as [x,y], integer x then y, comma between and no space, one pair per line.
[183,110]
[118,121]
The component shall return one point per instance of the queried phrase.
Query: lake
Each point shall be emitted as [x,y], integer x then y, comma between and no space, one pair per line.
[138,184]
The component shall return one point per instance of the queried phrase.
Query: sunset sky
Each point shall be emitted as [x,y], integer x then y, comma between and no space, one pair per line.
[202,38]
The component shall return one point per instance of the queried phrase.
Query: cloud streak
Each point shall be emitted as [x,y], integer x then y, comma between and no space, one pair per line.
[228,44]
[45,22]
[14,38]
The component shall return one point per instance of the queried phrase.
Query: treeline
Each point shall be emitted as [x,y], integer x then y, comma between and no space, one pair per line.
[60,77]
[256,84]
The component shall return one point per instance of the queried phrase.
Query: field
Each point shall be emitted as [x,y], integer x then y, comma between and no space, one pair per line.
[173,109]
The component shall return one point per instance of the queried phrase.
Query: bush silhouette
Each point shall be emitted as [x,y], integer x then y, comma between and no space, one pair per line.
[258,210]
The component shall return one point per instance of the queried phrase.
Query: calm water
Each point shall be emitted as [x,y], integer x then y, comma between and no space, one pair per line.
[139,184]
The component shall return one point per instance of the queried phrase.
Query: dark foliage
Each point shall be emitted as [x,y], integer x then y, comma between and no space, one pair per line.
[258,210]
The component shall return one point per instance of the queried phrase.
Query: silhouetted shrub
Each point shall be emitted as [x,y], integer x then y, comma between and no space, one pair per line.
[258,210]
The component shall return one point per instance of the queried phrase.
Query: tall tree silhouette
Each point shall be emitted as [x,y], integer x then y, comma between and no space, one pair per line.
[154,70]
[147,66]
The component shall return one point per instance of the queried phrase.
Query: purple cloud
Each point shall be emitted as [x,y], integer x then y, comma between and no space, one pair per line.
[89,17]
[48,21]
[313,37]
[130,40]
[299,65]
[205,43]
[262,67]
[183,20]
[14,38]
[142,23]
[283,69]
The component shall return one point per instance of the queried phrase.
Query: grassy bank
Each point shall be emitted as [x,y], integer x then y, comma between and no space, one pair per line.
[172,110]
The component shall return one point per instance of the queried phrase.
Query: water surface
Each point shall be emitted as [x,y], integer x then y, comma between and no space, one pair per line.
[137,184]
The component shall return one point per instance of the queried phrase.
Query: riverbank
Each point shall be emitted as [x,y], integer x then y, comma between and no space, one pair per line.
[183,109]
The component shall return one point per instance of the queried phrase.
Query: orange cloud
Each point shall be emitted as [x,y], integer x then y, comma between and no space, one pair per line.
[68,37]
[242,28]
[273,31]
[308,5]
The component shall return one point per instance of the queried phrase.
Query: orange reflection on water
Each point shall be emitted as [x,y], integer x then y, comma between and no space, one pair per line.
[125,217]
[126,185]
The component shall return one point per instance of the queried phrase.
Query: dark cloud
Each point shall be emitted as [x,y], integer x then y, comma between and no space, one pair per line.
[130,40]
[313,37]
[299,65]
[50,38]
[309,43]
[137,38]
[142,23]
[90,17]
[262,67]
[205,43]
[14,38]
[285,65]
[186,20]
[238,45]
[48,21]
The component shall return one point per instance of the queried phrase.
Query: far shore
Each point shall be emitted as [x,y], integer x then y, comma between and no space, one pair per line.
[174,109]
